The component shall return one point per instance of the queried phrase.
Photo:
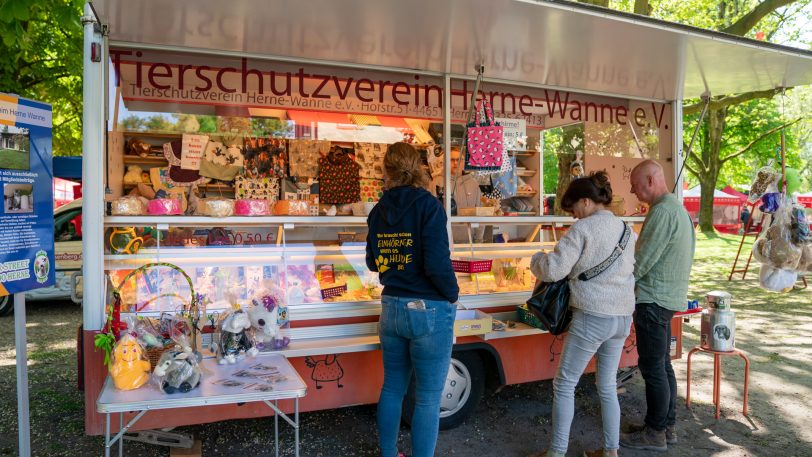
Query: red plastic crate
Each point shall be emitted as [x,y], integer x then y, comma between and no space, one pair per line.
[471,266]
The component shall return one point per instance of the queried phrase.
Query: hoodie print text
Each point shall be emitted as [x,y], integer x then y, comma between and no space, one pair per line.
[394,250]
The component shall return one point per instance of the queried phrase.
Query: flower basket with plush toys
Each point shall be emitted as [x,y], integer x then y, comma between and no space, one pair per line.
[784,247]
[136,345]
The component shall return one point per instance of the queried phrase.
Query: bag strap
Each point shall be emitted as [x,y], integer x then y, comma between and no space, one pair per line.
[601,267]
[488,112]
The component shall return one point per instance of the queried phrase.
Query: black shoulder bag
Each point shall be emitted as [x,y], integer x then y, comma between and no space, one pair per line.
[550,301]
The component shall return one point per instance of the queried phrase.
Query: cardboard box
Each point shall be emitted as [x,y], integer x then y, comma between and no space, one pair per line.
[472,322]
[477,211]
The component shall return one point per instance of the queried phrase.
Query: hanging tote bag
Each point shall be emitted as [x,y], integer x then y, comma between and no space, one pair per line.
[550,301]
[484,141]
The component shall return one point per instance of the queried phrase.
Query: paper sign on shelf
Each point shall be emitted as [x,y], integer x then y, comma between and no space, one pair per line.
[191,151]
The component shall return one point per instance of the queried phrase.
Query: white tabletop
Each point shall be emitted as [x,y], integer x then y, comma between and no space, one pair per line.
[150,397]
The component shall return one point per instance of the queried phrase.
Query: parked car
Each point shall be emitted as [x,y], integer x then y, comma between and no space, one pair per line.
[68,256]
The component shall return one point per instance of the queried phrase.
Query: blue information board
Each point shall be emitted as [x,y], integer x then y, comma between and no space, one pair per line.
[26,178]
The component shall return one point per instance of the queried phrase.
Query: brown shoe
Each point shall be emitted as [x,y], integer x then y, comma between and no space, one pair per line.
[670,431]
[646,439]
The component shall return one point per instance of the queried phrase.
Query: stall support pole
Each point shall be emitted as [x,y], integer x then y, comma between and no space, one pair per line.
[93,128]
[20,343]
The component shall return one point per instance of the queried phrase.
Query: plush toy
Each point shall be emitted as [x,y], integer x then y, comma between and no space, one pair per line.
[776,279]
[177,371]
[805,264]
[770,202]
[268,314]
[766,178]
[776,249]
[129,368]
[577,166]
[133,175]
[137,147]
[234,338]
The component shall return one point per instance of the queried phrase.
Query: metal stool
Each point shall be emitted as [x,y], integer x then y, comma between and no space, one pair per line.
[717,375]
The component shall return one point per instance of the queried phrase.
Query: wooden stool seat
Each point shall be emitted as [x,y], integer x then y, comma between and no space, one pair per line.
[717,375]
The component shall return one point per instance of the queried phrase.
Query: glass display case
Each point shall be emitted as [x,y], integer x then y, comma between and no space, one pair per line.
[320,266]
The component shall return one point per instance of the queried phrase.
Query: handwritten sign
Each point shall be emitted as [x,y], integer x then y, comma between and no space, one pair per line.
[191,151]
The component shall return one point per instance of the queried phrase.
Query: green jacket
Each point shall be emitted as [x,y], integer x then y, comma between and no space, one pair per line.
[664,254]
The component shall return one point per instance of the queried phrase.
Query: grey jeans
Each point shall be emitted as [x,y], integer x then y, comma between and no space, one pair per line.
[589,335]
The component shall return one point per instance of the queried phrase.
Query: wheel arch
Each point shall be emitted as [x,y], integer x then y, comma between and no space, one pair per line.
[495,373]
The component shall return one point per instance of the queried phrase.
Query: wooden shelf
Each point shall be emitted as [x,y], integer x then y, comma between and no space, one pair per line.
[220,187]
[522,152]
[174,136]
[526,194]
[149,160]
[526,173]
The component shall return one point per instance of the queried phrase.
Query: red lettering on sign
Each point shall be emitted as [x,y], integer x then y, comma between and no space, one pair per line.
[317,93]
[370,87]
[219,78]
[246,72]
[400,89]
[199,72]
[556,104]
[152,73]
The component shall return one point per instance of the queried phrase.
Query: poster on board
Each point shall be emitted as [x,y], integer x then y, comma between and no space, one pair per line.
[26,177]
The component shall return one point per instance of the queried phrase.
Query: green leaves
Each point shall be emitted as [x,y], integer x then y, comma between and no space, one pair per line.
[41,45]
[105,342]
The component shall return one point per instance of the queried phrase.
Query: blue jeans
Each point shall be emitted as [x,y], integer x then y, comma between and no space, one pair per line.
[589,334]
[416,341]
[653,326]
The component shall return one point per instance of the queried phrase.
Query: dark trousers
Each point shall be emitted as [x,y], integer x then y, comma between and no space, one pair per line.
[653,326]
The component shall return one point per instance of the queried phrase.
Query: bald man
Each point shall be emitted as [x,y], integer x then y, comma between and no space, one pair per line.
[663,257]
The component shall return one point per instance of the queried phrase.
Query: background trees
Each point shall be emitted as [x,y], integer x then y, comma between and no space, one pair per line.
[41,49]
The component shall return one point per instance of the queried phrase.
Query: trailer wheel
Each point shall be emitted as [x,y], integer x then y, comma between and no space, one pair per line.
[464,386]
[6,305]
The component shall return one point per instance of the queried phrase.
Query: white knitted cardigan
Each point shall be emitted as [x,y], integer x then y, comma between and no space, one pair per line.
[586,244]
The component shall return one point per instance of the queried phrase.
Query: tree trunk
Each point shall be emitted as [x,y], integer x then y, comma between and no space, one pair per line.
[642,7]
[565,157]
[709,170]
[603,3]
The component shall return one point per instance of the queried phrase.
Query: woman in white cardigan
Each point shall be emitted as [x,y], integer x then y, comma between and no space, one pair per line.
[602,307]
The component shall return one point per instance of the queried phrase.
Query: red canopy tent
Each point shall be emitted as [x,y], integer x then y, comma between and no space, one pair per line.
[726,208]
[731,191]
[805,199]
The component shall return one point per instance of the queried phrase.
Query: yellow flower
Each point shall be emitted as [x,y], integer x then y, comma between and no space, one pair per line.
[382,264]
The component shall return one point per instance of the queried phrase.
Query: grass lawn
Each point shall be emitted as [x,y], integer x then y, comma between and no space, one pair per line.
[16,160]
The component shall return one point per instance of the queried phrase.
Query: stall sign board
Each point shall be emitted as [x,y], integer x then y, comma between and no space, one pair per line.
[26,176]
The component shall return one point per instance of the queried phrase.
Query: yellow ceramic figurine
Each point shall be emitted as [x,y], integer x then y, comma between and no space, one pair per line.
[129,369]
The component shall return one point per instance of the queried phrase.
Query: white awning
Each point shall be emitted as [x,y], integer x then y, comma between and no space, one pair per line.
[551,43]
[696,192]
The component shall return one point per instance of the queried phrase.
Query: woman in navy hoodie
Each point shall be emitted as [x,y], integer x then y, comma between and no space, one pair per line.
[407,244]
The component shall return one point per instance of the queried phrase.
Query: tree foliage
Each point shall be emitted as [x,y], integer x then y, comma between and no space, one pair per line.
[41,45]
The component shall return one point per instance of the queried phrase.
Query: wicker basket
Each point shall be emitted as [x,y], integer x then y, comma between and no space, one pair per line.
[154,355]
[471,266]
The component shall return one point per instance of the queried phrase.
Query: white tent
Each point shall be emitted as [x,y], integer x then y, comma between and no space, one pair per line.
[696,193]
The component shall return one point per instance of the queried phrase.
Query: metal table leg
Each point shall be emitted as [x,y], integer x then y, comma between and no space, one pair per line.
[276,427]
[107,435]
[121,440]
[293,423]
[296,420]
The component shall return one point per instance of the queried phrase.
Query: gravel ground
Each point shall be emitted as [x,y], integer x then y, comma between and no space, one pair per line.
[775,329]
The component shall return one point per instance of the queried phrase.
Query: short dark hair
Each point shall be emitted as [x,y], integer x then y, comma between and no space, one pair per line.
[595,187]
